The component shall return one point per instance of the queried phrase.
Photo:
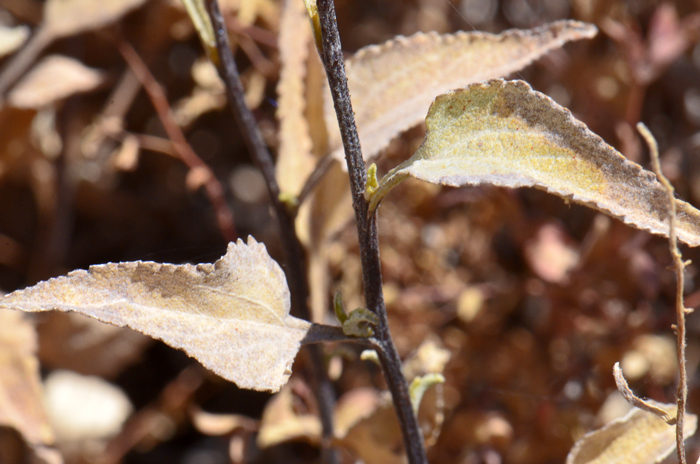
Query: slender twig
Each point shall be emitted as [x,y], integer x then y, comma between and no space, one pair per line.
[295,258]
[367,232]
[681,311]
[212,186]
[321,333]
[260,35]
[171,402]
[259,61]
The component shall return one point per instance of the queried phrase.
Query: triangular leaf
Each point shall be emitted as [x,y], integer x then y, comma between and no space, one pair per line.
[233,315]
[393,84]
[506,134]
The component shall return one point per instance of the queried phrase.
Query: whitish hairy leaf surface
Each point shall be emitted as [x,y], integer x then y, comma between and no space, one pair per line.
[393,84]
[506,134]
[638,438]
[233,315]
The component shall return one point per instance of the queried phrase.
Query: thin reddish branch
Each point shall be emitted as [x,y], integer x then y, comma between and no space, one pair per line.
[200,174]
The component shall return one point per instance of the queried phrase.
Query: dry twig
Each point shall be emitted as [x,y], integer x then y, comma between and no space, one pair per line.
[681,311]
[200,174]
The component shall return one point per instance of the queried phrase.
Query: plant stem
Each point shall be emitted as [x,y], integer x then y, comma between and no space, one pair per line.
[332,57]
[295,258]
[681,311]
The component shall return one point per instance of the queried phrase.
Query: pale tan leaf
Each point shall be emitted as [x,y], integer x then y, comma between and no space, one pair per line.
[331,209]
[69,17]
[373,433]
[355,405]
[21,405]
[53,78]
[209,94]
[220,424]
[281,421]
[393,84]
[506,134]
[294,161]
[431,357]
[11,38]
[233,315]
[638,438]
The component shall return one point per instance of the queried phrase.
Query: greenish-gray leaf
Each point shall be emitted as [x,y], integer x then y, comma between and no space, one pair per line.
[504,133]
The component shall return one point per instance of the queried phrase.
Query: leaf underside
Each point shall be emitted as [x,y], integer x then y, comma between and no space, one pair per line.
[232,316]
[504,133]
[393,84]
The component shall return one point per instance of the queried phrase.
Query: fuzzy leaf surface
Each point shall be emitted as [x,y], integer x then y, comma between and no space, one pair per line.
[393,84]
[232,316]
[638,438]
[506,134]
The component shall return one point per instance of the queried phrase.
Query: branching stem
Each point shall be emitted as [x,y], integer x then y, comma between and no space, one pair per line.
[367,233]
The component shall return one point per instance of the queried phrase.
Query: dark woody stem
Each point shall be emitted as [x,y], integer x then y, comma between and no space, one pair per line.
[367,233]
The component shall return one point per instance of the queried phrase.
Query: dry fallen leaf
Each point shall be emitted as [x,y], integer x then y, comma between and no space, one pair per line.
[69,17]
[393,84]
[504,133]
[214,424]
[63,18]
[370,429]
[431,357]
[294,160]
[233,315]
[21,405]
[11,38]
[54,78]
[281,422]
[209,94]
[638,438]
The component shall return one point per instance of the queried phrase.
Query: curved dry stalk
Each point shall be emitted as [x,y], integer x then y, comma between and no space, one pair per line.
[634,400]
[681,311]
